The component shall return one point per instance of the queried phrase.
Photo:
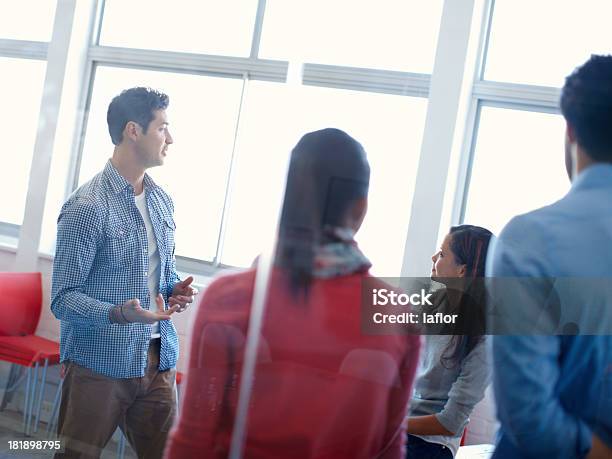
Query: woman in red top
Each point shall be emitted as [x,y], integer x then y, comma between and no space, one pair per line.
[322,388]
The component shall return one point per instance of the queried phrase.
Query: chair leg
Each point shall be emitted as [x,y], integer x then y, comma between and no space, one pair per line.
[54,411]
[26,402]
[14,378]
[40,394]
[31,398]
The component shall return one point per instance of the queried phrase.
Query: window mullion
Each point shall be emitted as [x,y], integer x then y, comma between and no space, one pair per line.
[230,175]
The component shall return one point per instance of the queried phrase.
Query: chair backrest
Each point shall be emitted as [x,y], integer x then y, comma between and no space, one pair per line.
[20,303]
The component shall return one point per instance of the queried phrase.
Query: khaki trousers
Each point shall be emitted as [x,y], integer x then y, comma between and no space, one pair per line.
[93,405]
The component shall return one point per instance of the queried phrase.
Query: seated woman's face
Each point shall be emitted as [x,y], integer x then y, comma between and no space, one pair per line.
[444,262]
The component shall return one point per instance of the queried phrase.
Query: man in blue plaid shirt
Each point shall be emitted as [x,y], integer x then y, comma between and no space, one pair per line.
[114,273]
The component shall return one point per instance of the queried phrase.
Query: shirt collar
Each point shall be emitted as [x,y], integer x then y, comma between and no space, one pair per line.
[148,182]
[597,175]
[118,183]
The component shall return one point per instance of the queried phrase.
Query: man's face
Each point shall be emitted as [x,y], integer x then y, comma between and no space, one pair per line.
[152,146]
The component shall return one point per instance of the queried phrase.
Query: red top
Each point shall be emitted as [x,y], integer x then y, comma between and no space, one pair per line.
[322,389]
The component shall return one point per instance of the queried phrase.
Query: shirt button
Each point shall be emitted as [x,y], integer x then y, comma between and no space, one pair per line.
[145,273]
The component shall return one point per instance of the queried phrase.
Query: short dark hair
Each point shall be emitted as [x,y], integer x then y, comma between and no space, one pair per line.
[134,104]
[586,104]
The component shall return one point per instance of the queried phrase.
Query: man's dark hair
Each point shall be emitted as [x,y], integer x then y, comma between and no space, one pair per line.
[134,104]
[586,104]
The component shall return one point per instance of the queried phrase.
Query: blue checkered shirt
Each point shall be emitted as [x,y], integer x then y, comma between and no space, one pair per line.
[101,260]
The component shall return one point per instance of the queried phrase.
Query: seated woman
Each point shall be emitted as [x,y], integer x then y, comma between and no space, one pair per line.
[454,371]
[322,388]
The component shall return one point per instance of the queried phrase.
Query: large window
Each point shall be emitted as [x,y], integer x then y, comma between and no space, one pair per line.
[518,166]
[235,120]
[540,42]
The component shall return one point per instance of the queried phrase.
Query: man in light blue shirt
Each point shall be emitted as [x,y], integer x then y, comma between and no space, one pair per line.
[554,391]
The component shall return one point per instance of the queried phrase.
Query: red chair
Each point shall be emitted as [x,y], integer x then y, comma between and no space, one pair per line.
[463,437]
[21,303]
[20,308]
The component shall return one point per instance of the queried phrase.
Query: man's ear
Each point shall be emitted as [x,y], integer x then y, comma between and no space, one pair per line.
[462,270]
[131,131]
[570,133]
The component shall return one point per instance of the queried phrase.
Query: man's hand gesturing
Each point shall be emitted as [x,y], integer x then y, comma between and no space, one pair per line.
[183,294]
[131,311]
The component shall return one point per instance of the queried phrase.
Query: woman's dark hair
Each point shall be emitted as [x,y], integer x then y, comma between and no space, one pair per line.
[469,245]
[328,172]
[134,104]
